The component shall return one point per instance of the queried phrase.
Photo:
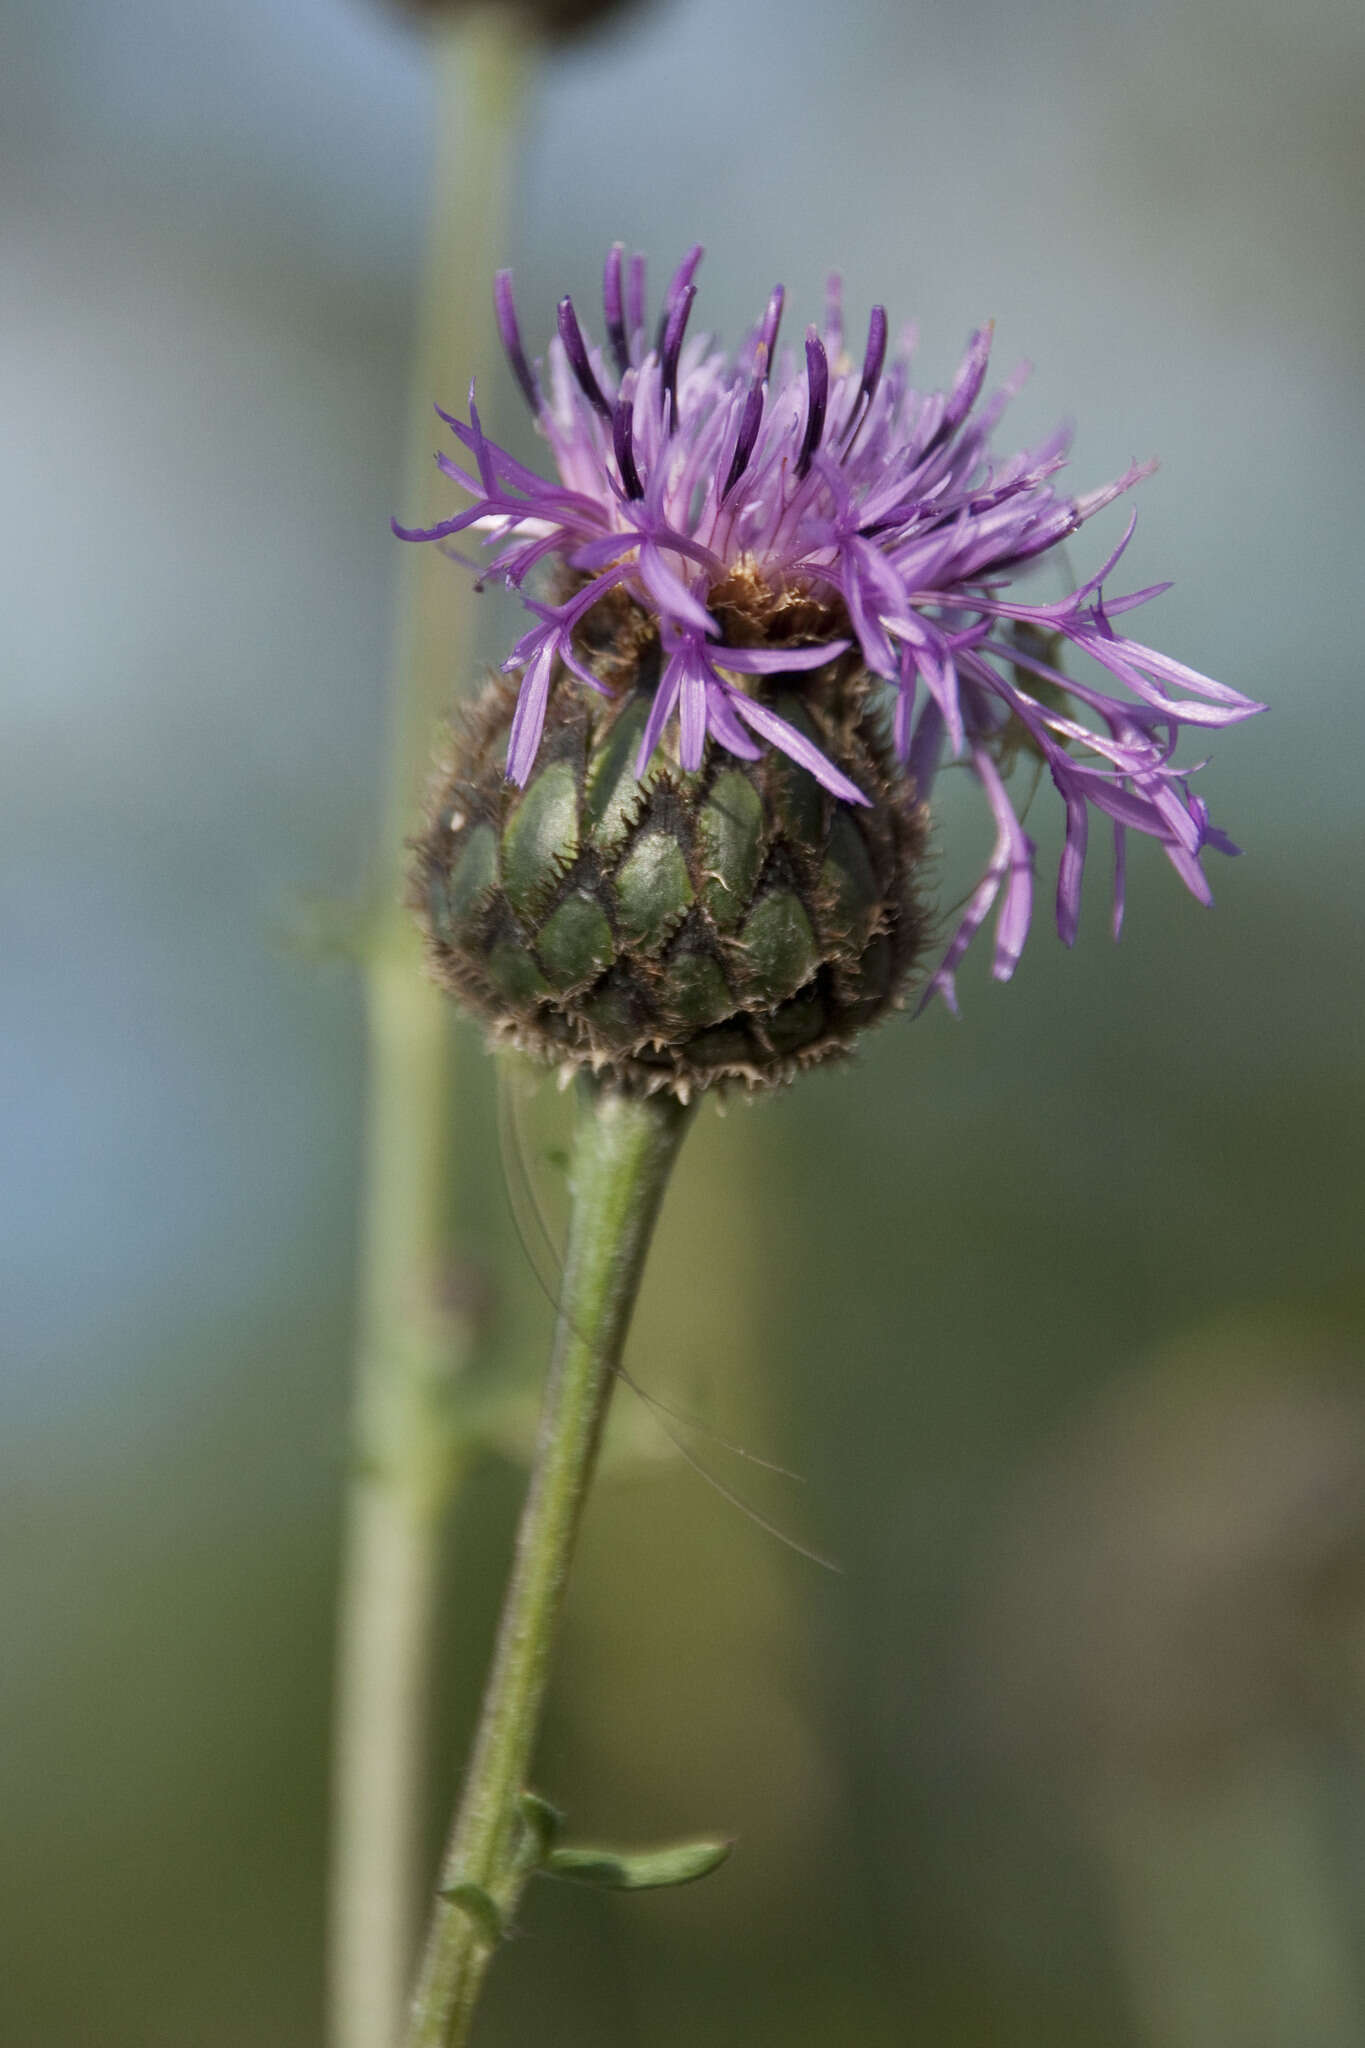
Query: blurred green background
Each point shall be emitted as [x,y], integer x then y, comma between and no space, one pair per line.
[1058,1310]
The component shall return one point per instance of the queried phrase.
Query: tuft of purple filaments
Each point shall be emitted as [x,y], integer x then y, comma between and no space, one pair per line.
[681,467]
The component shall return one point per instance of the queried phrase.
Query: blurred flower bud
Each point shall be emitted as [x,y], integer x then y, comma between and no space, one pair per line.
[560,21]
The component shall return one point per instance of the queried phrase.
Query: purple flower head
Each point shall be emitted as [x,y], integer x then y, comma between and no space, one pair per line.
[819,494]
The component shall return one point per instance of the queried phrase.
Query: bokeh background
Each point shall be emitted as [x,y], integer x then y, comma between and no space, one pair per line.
[1058,1310]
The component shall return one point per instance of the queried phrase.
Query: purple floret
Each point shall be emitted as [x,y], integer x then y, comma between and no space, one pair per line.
[681,468]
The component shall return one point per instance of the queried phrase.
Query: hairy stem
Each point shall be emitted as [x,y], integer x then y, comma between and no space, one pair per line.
[413,1329]
[623,1153]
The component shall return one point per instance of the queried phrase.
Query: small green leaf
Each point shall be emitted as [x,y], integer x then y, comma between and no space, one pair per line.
[542,1823]
[638,1870]
[480,1906]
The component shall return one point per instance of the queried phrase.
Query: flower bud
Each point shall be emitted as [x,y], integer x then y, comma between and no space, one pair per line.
[675,929]
[560,21]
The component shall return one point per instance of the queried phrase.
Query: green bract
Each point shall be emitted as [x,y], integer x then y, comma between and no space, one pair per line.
[728,925]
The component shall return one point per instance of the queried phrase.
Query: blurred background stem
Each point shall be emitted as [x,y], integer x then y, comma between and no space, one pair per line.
[623,1154]
[1232,1919]
[414,1330]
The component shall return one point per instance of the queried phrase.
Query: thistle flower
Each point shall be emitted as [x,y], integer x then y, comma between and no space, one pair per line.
[770,594]
[768,552]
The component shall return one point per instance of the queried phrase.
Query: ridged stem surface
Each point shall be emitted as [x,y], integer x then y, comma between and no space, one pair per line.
[623,1153]
[413,1335]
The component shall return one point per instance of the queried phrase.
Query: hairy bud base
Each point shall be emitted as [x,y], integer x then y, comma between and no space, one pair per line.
[732,924]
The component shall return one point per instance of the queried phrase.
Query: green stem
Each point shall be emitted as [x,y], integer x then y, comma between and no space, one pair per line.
[413,1336]
[623,1152]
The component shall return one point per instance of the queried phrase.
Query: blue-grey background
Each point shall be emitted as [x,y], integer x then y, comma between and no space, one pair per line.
[1058,1310]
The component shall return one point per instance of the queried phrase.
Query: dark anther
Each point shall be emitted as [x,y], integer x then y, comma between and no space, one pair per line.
[612,307]
[875,356]
[817,379]
[750,421]
[635,298]
[678,284]
[672,347]
[622,440]
[504,309]
[576,349]
[963,396]
[873,361]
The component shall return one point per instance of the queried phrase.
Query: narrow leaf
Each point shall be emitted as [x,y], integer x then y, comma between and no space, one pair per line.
[638,1870]
[480,1906]
[542,1823]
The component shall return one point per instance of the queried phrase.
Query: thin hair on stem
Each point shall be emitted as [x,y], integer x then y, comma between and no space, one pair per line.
[545,1260]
